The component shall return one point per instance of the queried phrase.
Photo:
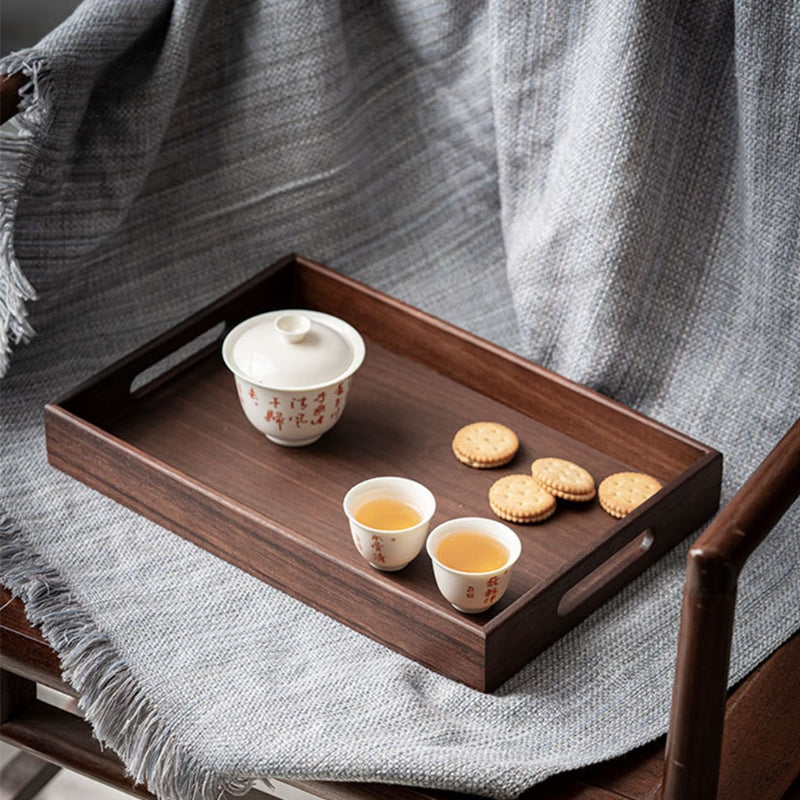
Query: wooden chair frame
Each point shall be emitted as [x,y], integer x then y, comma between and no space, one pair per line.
[694,746]
[707,616]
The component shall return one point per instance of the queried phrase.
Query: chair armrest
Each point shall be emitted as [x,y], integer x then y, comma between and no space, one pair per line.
[694,740]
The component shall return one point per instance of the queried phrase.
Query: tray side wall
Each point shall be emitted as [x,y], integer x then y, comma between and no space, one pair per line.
[248,540]
[693,499]
[572,409]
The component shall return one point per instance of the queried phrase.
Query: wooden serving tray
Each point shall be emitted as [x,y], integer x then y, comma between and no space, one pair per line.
[179,450]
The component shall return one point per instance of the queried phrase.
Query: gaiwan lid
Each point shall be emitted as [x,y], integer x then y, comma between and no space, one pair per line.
[293,349]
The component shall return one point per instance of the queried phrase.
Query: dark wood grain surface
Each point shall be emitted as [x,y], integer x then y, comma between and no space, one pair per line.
[181,452]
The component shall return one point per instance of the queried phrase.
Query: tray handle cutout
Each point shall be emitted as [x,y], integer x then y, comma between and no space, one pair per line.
[602,576]
[178,360]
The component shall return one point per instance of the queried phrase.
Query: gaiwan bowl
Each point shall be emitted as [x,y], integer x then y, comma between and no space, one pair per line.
[293,369]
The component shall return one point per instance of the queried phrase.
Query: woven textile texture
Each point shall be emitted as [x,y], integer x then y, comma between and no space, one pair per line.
[608,188]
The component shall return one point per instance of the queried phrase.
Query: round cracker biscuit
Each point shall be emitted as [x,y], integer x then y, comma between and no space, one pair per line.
[564,479]
[519,498]
[485,444]
[621,492]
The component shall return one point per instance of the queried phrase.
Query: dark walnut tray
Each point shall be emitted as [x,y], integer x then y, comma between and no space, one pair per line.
[178,449]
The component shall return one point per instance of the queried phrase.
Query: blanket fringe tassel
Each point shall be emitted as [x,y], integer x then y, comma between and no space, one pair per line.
[18,148]
[121,717]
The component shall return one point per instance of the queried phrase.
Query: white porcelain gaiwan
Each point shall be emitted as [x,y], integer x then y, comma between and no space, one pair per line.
[293,370]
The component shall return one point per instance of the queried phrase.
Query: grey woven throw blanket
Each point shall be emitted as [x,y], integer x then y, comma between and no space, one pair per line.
[608,188]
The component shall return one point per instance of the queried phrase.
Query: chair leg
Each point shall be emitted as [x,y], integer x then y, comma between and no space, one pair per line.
[16,694]
[25,776]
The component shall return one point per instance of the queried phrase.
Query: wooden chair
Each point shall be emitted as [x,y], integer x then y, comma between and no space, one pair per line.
[758,756]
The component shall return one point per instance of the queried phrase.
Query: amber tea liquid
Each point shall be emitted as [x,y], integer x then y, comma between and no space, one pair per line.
[387,514]
[468,551]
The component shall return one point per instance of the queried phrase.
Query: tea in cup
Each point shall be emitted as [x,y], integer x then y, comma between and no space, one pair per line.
[389,519]
[472,561]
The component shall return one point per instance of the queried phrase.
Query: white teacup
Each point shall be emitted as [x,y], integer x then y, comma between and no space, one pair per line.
[389,549]
[460,577]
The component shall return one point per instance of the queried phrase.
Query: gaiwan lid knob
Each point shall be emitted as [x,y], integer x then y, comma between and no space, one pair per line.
[292,349]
